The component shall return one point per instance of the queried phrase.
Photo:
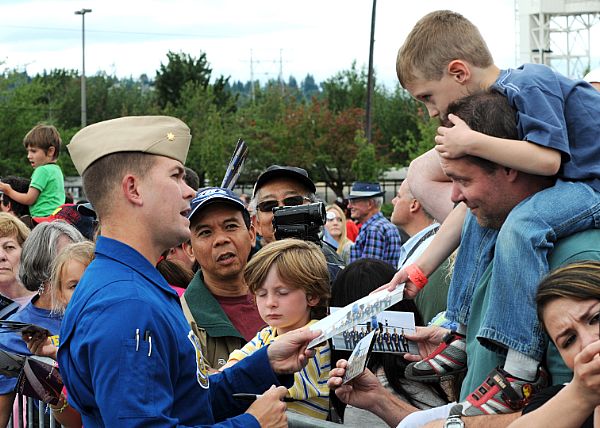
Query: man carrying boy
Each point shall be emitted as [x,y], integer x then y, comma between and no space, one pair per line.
[443,59]
[47,189]
[496,191]
[127,355]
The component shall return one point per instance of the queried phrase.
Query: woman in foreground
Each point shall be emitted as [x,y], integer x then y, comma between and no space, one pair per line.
[568,302]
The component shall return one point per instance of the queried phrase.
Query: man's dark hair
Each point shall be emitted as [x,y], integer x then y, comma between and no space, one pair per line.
[21,185]
[192,179]
[487,112]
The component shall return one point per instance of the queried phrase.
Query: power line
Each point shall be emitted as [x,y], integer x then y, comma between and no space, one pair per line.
[138,33]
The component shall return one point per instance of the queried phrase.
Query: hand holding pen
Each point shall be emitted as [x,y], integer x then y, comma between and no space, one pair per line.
[269,409]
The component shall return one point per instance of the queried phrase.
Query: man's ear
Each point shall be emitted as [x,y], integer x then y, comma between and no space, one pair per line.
[510,173]
[257,224]
[188,250]
[252,233]
[414,206]
[459,71]
[130,188]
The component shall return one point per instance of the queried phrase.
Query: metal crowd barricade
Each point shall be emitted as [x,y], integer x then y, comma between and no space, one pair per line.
[38,418]
[34,417]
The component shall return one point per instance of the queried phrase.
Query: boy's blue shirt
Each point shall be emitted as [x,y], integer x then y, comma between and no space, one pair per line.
[559,113]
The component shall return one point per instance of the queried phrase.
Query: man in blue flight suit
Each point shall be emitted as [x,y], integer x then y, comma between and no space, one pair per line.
[128,357]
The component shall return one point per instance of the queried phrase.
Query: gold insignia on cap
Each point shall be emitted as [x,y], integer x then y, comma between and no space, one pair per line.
[170,136]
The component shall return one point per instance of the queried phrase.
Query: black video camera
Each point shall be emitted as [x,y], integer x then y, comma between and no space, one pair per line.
[301,222]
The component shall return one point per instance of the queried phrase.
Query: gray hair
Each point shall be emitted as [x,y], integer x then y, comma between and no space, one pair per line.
[39,252]
[378,201]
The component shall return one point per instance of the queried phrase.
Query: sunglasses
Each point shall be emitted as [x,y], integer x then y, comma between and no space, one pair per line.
[331,216]
[291,201]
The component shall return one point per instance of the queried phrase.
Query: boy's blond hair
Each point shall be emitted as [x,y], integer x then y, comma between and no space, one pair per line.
[83,252]
[43,137]
[437,39]
[300,264]
[11,226]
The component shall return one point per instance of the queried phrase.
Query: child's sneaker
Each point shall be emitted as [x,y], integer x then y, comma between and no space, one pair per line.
[502,393]
[449,358]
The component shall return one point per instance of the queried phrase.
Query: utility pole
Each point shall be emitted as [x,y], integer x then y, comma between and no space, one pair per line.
[251,77]
[82,12]
[370,75]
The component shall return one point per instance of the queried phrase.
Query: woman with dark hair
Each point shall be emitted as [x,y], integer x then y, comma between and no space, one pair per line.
[568,306]
[357,280]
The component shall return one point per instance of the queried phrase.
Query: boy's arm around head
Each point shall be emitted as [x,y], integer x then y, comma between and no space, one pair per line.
[524,156]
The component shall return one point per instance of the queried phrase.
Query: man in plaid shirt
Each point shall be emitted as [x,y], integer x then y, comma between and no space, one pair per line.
[378,238]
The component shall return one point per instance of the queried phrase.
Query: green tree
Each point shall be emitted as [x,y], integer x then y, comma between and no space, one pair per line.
[420,141]
[366,166]
[347,89]
[180,69]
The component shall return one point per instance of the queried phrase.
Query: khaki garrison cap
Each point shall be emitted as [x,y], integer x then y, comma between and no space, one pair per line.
[156,135]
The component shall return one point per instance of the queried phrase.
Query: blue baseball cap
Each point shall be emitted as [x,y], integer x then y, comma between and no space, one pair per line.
[361,190]
[210,195]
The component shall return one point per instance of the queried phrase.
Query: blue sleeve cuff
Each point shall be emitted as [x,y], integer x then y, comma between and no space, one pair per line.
[7,385]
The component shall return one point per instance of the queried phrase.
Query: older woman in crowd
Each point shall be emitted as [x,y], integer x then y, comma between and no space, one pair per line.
[568,303]
[39,251]
[13,233]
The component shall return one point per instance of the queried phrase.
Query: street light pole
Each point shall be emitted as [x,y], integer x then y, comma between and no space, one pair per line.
[82,12]
[370,75]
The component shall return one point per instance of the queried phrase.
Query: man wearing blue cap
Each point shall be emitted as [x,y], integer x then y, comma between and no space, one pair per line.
[377,238]
[220,305]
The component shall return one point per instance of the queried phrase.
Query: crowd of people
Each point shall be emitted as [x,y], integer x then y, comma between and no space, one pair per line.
[164,303]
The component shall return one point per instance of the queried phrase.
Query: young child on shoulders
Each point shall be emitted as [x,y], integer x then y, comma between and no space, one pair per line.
[290,281]
[46,189]
[443,59]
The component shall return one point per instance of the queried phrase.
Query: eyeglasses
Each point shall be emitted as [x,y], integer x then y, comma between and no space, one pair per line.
[291,201]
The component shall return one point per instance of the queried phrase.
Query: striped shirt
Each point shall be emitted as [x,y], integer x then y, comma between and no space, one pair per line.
[310,384]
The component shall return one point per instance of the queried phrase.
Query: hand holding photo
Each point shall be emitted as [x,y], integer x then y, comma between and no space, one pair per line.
[359,358]
[390,329]
[355,313]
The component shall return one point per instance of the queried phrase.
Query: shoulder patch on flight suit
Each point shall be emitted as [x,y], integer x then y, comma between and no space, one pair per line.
[201,364]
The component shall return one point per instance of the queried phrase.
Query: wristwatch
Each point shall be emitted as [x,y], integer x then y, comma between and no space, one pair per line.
[454,421]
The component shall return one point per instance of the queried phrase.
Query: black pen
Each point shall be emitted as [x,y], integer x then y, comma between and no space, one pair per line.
[253,397]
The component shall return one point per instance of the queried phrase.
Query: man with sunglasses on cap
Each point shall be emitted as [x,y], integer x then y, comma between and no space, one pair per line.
[127,355]
[377,238]
[280,186]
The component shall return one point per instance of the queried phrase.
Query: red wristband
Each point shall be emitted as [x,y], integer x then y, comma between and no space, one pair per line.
[416,276]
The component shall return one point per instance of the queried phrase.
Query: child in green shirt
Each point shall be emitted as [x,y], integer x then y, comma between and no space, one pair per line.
[46,190]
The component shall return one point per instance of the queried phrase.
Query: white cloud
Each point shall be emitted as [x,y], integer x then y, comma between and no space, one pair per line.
[318,37]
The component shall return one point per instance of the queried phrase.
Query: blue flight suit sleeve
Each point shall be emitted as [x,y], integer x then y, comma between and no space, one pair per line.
[253,374]
[134,382]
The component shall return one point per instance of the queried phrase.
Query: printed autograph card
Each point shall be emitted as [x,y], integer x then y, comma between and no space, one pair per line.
[359,358]
[355,313]
[390,328]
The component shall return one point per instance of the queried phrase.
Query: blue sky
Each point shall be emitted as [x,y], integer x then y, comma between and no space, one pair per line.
[131,37]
